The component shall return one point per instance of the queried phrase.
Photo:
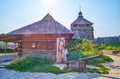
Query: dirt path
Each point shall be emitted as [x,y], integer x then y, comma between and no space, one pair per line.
[114,66]
[114,73]
[6,59]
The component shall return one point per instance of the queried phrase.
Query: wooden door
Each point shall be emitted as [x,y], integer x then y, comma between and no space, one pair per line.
[60,49]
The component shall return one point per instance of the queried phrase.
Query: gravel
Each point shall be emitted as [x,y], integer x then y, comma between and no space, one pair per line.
[11,74]
[113,74]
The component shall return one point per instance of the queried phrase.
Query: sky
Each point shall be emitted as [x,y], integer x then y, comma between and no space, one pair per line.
[105,14]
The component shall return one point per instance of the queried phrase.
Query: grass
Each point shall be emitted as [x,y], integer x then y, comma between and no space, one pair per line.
[1,54]
[36,64]
[103,58]
[101,69]
[41,64]
[109,47]
[85,48]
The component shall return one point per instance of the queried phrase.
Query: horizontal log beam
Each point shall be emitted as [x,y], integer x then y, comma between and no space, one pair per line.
[85,59]
[89,58]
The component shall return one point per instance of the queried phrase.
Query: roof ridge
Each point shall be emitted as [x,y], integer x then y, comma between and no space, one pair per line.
[48,17]
[47,25]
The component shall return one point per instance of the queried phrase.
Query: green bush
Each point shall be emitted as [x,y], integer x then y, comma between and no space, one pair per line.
[36,64]
[72,55]
[101,47]
[89,53]
[106,58]
[81,45]
[26,62]
[7,51]
[42,64]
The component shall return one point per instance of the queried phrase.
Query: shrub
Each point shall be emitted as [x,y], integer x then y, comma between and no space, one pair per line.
[14,62]
[101,47]
[103,59]
[27,62]
[72,55]
[36,64]
[7,51]
[85,48]
[106,58]
[89,53]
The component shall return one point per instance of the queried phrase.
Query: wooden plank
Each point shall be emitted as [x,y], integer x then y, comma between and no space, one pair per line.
[89,58]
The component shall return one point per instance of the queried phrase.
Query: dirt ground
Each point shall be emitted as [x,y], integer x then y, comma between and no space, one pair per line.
[114,72]
[114,66]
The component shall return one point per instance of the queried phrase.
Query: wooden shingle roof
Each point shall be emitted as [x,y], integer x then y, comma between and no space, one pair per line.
[45,26]
[81,21]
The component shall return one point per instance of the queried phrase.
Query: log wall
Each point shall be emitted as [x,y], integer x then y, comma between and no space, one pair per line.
[40,44]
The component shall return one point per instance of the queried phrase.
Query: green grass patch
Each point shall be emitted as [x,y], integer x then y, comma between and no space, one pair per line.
[99,69]
[109,46]
[102,69]
[2,54]
[25,63]
[8,50]
[38,64]
[103,58]
[85,48]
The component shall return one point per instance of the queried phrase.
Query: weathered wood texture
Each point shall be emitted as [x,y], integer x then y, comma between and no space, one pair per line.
[80,65]
[88,58]
[44,44]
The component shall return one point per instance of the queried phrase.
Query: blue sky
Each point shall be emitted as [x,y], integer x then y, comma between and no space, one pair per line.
[105,14]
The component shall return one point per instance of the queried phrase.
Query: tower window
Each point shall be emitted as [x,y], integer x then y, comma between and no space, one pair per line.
[75,25]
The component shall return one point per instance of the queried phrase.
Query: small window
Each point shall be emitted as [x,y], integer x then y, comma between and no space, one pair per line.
[33,45]
[75,25]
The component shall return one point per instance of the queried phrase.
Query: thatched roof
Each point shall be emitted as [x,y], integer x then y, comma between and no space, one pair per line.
[45,26]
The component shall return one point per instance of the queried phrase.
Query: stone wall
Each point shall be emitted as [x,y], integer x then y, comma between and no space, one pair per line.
[107,40]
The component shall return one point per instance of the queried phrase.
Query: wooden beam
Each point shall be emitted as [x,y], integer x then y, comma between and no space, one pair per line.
[15,47]
[89,58]
[5,48]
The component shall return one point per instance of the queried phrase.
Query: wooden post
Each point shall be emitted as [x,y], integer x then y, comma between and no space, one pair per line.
[20,48]
[15,47]
[82,65]
[5,48]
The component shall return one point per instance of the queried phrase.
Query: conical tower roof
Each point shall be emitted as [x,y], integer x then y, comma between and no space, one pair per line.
[45,26]
[80,20]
